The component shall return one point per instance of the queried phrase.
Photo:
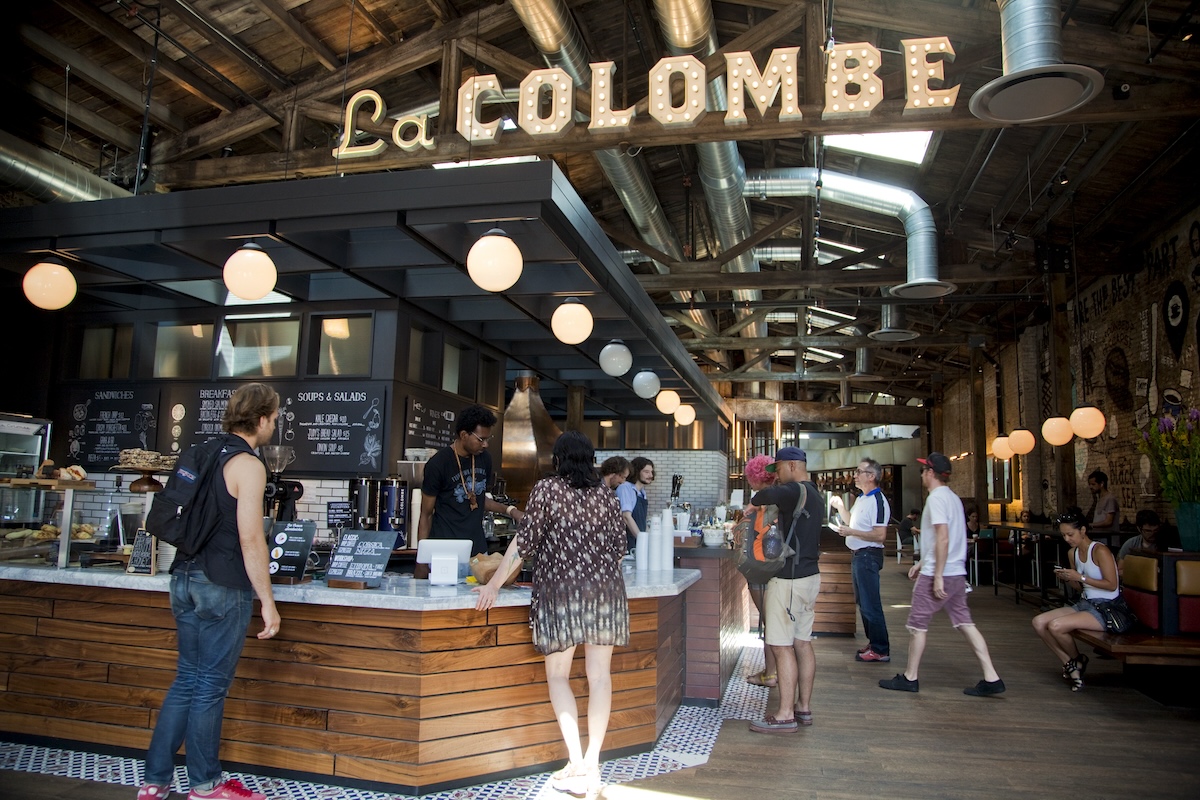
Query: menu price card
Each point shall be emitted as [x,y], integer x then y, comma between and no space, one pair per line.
[339,514]
[359,560]
[428,424]
[143,560]
[106,421]
[288,547]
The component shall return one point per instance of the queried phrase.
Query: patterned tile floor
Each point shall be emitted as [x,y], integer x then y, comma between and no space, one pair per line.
[686,742]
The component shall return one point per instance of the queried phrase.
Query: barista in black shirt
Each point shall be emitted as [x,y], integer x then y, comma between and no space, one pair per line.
[454,493]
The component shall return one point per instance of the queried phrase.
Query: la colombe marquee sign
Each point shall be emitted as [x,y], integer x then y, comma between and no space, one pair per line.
[547,108]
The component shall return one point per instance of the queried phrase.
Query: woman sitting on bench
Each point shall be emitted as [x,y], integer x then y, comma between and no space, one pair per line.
[1094,570]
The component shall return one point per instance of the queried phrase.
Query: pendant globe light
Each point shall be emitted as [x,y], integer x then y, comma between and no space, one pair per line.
[495,262]
[1087,422]
[685,415]
[1057,431]
[572,322]
[667,401]
[615,358]
[646,384]
[49,285]
[250,273]
[1000,448]
[1021,441]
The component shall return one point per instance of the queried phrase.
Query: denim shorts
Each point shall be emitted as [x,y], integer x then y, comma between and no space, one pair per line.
[1086,605]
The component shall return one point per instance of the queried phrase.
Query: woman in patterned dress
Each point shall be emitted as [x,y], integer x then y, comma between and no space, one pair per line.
[573,527]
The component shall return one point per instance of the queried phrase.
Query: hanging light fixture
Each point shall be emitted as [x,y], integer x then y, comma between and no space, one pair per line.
[336,327]
[1000,448]
[1021,441]
[250,273]
[572,322]
[494,262]
[646,384]
[667,401]
[1057,431]
[49,285]
[615,358]
[1087,422]
[685,415]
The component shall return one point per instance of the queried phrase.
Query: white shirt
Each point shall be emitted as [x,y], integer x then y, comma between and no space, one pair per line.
[943,507]
[869,510]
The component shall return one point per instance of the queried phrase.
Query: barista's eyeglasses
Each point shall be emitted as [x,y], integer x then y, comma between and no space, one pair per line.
[485,440]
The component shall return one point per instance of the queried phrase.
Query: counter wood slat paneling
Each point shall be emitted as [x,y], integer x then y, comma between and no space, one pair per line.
[414,700]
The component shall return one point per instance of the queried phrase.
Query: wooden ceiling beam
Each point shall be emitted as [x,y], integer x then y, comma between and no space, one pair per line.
[99,77]
[362,72]
[226,42]
[796,342]
[81,117]
[134,45]
[292,27]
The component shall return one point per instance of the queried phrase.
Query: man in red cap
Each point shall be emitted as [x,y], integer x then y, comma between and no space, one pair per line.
[941,579]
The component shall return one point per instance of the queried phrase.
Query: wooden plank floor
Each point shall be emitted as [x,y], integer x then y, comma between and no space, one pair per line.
[1037,740]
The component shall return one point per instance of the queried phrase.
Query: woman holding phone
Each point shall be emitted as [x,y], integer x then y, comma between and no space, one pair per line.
[1094,571]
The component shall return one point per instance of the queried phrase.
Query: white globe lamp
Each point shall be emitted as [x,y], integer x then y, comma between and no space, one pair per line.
[494,262]
[667,401]
[646,384]
[615,358]
[572,322]
[1057,431]
[1000,448]
[1021,441]
[336,327]
[685,415]
[49,285]
[1088,422]
[250,273]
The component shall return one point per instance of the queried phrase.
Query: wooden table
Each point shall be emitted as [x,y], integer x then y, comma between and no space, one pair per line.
[1045,538]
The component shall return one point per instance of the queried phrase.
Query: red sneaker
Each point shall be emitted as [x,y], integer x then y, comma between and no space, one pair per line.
[863,649]
[150,791]
[871,656]
[231,789]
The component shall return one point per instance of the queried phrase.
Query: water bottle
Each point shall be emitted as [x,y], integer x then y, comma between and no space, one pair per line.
[772,543]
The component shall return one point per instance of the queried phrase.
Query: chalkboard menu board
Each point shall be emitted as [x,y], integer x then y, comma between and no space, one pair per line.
[334,427]
[106,421]
[361,556]
[428,423]
[288,545]
[339,514]
[143,560]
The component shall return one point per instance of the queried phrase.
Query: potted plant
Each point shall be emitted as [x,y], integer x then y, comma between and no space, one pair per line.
[1173,445]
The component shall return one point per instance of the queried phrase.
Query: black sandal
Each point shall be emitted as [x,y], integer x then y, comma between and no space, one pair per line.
[1073,672]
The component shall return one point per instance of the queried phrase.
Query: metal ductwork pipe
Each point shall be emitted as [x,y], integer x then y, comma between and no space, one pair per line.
[554,32]
[688,28]
[47,177]
[879,198]
[1036,85]
[893,325]
[864,362]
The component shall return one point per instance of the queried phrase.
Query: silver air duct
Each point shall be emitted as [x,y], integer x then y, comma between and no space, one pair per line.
[554,32]
[688,28]
[893,325]
[48,177]
[863,360]
[1036,85]
[879,198]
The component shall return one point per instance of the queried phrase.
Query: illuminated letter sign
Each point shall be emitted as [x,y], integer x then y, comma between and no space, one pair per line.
[345,148]
[851,86]
[919,71]
[470,103]
[692,109]
[743,78]
[604,116]
[560,110]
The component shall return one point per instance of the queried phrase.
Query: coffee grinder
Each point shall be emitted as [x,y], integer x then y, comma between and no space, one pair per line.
[280,496]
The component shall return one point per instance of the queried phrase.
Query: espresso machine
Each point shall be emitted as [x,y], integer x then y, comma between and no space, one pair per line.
[280,496]
[364,503]
[392,509]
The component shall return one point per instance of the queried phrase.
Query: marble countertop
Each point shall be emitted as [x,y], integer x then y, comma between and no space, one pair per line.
[403,593]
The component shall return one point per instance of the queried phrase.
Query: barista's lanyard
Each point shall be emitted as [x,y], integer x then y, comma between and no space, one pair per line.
[470,491]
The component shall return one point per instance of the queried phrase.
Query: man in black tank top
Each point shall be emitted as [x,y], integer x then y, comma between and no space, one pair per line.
[212,595]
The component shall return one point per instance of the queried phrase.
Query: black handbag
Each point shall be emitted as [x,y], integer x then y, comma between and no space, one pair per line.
[1118,616]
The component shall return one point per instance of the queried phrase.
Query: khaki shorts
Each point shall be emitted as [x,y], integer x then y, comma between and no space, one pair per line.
[799,597]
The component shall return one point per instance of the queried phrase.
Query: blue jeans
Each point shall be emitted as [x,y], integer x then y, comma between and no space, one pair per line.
[211,623]
[864,571]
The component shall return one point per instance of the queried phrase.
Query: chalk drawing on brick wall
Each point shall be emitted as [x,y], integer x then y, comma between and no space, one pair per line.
[1172,402]
[1175,316]
[1185,377]
[1116,379]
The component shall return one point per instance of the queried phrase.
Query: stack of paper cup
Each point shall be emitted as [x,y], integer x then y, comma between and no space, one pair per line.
[642,551]
[656,536]
[666,561]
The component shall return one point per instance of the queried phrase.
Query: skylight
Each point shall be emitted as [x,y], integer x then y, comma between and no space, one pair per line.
[480,162]
[905,146]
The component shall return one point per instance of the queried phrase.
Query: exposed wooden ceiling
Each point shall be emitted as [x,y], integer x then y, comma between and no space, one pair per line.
[253,90]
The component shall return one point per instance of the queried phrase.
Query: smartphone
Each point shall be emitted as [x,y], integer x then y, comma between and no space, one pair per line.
[1058,568]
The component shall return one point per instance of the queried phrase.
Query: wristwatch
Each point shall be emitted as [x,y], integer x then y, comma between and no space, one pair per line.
[1082,579]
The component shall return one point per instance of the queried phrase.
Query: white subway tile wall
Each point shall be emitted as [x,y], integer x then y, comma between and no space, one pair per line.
[705,475]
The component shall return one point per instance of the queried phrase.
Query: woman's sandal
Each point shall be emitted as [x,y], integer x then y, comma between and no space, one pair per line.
[1081,663]
[1073,670]
[762,679]
[572,779]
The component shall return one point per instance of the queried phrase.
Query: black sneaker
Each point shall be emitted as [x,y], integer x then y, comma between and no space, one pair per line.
[985,688]
[901,684]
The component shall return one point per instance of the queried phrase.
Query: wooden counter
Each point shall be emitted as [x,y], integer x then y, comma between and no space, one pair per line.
[415,699]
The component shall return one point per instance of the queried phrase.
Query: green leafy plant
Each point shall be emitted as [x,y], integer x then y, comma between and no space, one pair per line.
[1173,445]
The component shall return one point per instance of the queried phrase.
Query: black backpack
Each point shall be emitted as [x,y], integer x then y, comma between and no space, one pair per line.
[185,513]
